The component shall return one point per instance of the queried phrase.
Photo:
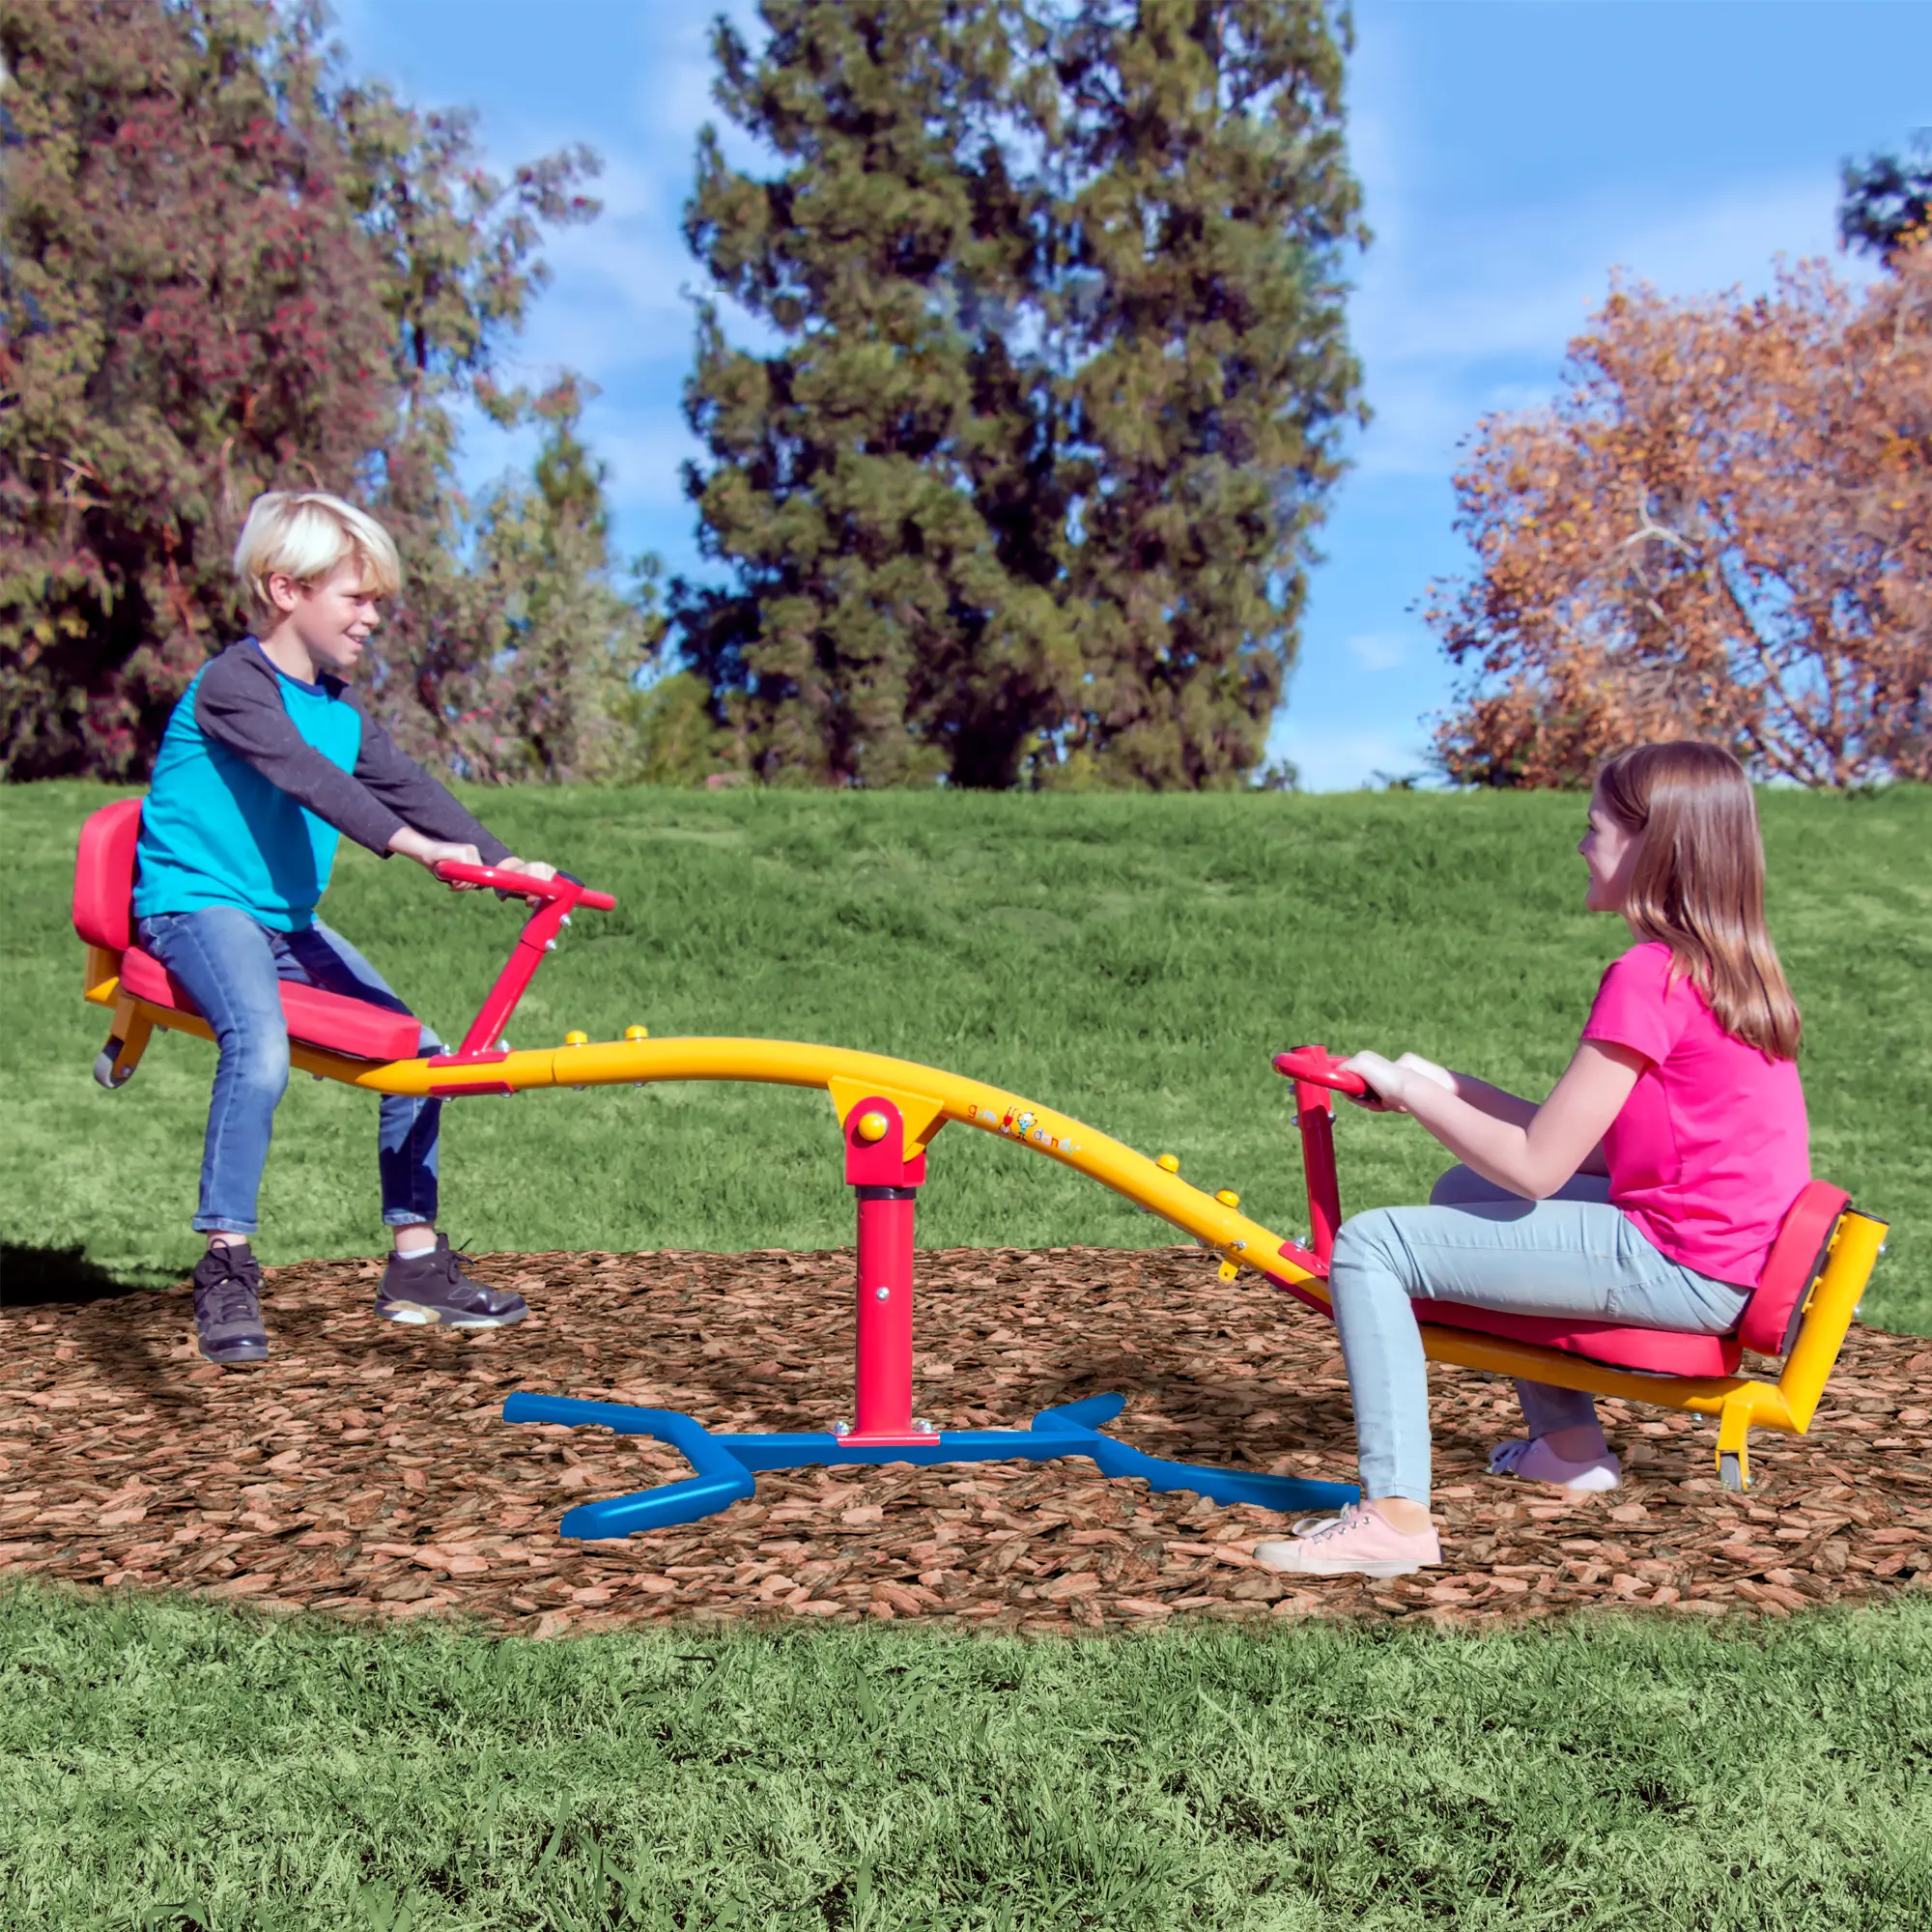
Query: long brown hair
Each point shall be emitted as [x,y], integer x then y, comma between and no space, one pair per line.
[1697,883]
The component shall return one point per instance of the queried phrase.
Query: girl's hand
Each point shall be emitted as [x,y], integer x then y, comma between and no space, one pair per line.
[1428,1070]
[1392,1082]
[1387,1082]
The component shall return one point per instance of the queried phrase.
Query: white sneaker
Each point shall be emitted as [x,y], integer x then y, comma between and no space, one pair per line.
[1360,1541]
[1536,1462]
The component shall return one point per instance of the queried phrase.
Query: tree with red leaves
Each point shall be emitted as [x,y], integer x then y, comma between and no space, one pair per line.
[223,269]
[1722,528]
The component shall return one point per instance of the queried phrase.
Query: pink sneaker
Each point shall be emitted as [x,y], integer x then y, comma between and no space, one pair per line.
[1536,1462]
[1361,1541]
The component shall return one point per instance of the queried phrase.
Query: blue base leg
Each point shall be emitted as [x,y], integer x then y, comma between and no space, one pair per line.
[725,1466]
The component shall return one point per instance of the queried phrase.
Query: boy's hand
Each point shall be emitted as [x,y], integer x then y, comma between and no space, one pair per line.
[432,852]
[535,868]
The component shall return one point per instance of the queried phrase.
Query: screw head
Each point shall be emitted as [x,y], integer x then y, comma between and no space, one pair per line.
[882,1294]
[921,1427]
[842,1429]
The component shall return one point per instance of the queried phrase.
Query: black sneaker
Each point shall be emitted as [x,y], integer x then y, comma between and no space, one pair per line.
[228,1306]
[431,1288]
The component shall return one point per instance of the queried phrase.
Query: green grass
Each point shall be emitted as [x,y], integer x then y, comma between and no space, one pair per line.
[1131,960]
[1637,1775]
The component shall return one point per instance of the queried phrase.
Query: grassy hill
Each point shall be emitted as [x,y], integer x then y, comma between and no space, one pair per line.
[168,1764]
[1132,960]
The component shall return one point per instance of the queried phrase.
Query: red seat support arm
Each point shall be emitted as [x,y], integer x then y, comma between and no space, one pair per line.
[557,898]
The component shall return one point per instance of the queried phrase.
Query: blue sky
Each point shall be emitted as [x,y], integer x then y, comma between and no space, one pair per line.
[1511,153]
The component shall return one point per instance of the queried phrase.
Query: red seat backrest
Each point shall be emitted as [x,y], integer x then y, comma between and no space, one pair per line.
[1771,1318]
[104,875]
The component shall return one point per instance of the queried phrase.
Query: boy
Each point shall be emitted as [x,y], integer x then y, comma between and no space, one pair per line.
[268,759]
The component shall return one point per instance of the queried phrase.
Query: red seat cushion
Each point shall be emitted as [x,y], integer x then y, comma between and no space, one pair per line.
[1798,1255]
[1769,1325]
[316,1018]
[1662,1351]
[104,874]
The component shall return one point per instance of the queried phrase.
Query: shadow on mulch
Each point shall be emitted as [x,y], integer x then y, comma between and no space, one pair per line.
[366,1468]
[48,1277]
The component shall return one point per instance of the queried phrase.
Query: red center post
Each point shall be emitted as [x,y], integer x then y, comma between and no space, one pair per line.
[887,1186]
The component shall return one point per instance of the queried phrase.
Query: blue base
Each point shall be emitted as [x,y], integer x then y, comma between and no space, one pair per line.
[726,1465]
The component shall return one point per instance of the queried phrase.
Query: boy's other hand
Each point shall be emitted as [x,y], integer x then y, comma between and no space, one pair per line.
[535,868]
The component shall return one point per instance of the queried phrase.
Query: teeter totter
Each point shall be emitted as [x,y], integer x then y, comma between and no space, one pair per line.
[889,1112]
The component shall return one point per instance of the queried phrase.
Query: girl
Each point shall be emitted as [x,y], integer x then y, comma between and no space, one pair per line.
[1646,1190]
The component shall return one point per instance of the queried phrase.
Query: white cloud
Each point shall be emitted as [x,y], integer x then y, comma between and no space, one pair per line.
[646,461]
[1379,650]
[1331,761]
[1457,327]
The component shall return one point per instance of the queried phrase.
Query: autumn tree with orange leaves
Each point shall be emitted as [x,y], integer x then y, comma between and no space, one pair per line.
[1722,528]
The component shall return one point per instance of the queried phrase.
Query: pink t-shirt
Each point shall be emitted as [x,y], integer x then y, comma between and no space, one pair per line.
[1712,1147]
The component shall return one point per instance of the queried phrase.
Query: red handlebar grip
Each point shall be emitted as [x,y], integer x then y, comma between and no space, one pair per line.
[521,885]
[1320,1069]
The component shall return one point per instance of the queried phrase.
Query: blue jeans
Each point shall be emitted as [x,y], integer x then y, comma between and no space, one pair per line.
[232,967]
[1571,1254]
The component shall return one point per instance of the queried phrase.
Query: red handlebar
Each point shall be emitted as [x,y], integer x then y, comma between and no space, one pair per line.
[1320,1068]
[521,885]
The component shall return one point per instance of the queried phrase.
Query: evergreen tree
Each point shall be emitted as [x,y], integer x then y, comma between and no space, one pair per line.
[1886,203]
[224,268]
[556,648]
[1199,320]
[1022,490]
[840,492]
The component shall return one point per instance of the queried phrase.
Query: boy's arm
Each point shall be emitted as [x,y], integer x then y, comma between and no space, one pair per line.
[239,706]
[418,800]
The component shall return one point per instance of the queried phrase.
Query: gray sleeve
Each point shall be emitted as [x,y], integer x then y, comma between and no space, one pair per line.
[420,801]
[239,706]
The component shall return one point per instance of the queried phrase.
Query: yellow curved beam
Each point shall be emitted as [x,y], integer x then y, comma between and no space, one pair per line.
[929,1097]
[925,1096]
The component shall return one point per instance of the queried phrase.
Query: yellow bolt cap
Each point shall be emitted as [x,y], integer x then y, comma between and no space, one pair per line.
[574,1038]
[872,1126]
[1227,1198]
[1168,1163]
[637,1033]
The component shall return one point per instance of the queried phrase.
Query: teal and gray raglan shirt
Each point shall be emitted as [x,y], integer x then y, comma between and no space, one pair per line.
[259,777]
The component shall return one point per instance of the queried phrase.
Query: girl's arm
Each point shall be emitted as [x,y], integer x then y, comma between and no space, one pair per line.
[1532,1156]
[1494,1102]
[1497,1101]
[1501,1105]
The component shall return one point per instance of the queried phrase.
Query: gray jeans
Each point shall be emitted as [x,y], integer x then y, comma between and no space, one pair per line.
[1571,1254]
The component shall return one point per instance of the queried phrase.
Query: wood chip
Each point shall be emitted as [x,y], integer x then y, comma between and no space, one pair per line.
[365,1470]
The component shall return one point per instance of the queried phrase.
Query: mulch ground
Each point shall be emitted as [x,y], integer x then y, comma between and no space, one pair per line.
[366,1469]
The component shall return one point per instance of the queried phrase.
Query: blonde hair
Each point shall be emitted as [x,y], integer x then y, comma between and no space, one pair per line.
[1697,883]
[306,535]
